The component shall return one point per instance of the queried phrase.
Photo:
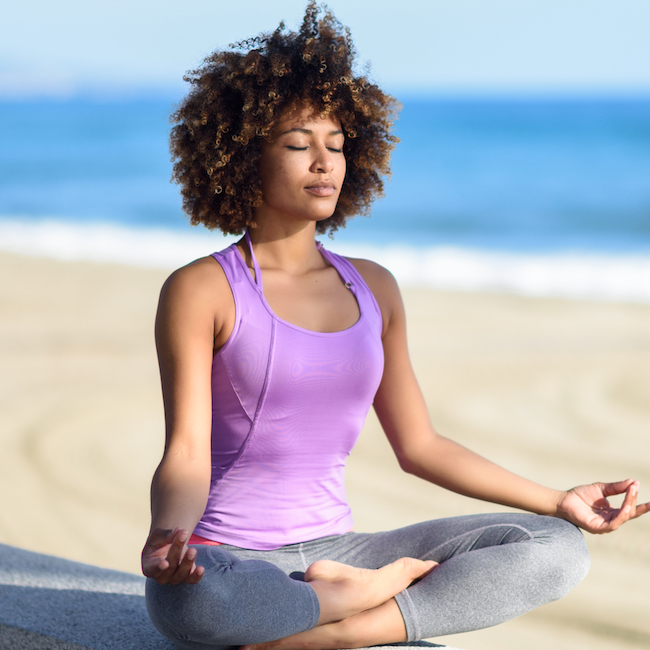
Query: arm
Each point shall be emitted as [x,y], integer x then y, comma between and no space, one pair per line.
[188,326]
[421,451]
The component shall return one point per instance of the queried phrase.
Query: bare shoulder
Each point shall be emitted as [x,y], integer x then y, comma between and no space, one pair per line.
[380,280]
[383,285]
[198,297]
[195,281]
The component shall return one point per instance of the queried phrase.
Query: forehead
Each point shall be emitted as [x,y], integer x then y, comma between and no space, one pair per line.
[305,118]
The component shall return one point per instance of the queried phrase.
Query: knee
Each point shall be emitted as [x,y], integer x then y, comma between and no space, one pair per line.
[203,613]
[236,603]
[570,559]
[173,611]
[199,614]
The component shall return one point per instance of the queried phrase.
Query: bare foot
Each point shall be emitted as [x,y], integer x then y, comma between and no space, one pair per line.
[344,591]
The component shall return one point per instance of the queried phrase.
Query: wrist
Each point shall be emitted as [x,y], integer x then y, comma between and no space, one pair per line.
[556,499]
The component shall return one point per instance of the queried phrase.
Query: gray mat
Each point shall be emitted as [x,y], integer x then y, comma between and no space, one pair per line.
[13,638]
[47,603]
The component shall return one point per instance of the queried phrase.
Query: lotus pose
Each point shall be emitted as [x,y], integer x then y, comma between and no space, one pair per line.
[271,353]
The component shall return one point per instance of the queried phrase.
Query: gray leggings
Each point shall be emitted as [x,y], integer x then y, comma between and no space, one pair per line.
[492,568]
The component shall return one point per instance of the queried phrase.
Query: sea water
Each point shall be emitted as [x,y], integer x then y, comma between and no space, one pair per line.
[537,196]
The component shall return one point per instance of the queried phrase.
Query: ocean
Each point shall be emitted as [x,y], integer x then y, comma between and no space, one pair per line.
[543,196]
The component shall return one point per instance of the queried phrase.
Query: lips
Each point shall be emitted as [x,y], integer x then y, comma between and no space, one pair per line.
[322,188]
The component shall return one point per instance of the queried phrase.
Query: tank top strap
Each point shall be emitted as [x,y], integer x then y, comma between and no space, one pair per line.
[348,274]
[335,261]
[256,266]
[355,283]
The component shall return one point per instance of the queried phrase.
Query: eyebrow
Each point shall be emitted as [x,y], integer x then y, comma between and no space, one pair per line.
[310,132]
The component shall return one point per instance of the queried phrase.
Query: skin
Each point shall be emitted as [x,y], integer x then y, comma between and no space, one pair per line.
[302,169]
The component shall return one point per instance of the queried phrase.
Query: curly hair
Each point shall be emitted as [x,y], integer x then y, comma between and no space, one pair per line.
[239,94]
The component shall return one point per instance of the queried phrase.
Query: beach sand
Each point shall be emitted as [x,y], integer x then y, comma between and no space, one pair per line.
[556,390]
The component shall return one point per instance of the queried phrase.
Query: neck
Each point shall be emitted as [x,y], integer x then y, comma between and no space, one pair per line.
[291,249]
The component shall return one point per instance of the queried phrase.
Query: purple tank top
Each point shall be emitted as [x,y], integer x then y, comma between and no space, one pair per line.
[287,407]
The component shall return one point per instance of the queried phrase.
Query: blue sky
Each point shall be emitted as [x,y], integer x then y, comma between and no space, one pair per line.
[426,46]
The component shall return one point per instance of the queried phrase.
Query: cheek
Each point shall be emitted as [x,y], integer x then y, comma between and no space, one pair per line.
[270,174]
[276,184]
[276,169]
[341,164]
[269,164]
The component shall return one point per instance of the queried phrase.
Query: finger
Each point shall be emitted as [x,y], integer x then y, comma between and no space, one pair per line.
[185,568]
[177,549]
[618,487]
[626,511]
[432,566]
[642,508]
[168,565]
[196,575]
[153,553]
[629,503]
[154,568]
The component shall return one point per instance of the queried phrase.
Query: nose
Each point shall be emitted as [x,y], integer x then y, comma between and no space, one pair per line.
[323,163]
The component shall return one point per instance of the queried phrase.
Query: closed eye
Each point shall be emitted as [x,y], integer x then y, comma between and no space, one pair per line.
[332,149]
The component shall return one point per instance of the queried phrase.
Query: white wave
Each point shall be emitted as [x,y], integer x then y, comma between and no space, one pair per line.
[106,242]
[566,274]
[562,274]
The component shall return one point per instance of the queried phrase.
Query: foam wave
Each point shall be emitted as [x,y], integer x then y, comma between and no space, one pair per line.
[107,242]
[569,275]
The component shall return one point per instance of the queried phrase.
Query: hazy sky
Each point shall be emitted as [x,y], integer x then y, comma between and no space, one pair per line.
[421,46]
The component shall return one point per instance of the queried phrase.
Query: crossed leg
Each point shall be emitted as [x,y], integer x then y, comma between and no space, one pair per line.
[253,600]
[492,568]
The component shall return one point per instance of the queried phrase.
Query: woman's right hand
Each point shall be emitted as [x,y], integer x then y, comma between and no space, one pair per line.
[166,558]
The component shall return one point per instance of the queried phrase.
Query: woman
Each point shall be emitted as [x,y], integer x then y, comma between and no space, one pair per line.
[271,353]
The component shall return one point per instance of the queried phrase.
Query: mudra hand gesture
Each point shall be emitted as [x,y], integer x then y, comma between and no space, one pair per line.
[587,506]
[167,560]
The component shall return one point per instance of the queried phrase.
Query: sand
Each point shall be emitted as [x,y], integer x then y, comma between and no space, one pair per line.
[556,390]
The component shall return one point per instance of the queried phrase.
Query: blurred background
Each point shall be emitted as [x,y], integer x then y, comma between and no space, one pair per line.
[517,221]
[525,134]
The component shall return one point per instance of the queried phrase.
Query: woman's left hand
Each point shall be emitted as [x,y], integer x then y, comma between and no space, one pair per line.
[587,506]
